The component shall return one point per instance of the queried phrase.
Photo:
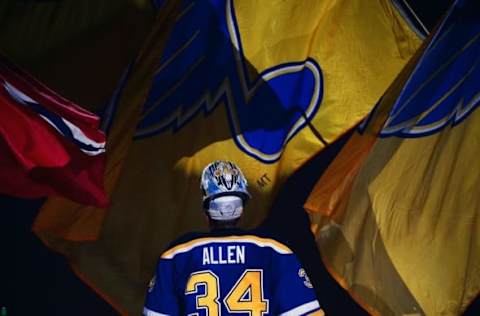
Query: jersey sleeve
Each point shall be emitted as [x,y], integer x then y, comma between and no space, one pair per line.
[293,294]
[161,297]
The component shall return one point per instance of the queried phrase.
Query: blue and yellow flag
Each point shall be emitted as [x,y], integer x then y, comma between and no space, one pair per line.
[264,84]
[396,215]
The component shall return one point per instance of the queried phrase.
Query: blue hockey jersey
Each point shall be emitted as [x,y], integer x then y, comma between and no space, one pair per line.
[230,274]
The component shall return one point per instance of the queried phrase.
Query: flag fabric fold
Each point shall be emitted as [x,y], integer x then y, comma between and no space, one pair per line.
[231,80]
[396,213]
[50,146]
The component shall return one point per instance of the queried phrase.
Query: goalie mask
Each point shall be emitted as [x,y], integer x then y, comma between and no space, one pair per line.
[222,178]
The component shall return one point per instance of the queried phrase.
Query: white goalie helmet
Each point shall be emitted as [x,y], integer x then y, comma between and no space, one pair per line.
[224,190]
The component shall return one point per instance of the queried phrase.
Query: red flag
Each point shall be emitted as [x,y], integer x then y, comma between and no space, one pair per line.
[48,145]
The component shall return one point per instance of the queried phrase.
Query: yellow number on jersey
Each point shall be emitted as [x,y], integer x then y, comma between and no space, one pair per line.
[209,300]
[247,294]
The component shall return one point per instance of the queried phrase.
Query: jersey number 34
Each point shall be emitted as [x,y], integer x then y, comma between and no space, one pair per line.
[245,296]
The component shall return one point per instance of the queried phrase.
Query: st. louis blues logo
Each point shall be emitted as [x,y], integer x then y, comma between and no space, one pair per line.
[444,86]
[204,65]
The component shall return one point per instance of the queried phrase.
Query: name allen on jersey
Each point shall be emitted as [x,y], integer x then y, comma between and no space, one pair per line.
[232,254]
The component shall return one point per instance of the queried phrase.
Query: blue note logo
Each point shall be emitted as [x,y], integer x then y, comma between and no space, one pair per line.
[444,87]
[306,280]
[204,66]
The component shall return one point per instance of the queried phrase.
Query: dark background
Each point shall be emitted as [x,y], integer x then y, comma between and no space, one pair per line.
[36,281]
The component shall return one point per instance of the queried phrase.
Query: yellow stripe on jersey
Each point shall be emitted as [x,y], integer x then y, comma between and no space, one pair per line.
[249,239]
[320,312]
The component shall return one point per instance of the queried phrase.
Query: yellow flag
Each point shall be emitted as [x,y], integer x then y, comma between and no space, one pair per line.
[396,214]
[264,84]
